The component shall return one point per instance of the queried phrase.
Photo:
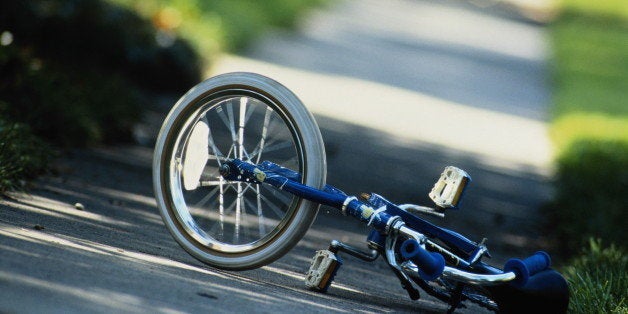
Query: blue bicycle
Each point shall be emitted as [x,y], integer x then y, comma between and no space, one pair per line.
[239,174]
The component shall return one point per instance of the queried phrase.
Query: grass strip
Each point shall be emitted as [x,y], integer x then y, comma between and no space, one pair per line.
[590,124]
[597,280]
[590,132]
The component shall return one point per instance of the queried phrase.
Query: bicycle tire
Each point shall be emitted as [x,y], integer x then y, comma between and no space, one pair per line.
[220,230]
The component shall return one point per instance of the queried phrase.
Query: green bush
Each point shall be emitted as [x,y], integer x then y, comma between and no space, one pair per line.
[597,280]
[73,70]
[591,198]
[22,155]
[105,38]
[220,25]
[245,20]
[73,67]
[65,107]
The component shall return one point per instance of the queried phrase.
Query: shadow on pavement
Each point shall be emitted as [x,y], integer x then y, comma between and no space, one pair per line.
[120,236]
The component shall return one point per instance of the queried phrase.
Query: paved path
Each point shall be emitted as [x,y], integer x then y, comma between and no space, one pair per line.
[446,75]
[403,90]
[400,90]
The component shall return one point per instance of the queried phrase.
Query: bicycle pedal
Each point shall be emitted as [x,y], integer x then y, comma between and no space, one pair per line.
[325,265]
[448,190]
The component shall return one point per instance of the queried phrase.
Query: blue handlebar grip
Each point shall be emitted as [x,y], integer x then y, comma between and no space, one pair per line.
[539,261]
[430,264]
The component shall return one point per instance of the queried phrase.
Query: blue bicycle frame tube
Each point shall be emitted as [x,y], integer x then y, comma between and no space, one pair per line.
[269,173]
[377,213]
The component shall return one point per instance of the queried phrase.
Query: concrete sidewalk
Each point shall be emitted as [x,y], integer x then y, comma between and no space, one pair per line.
[420,71]
[405,88]
[400,89]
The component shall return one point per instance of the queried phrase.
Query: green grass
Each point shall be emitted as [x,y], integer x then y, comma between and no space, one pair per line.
[590,45]
[597,280]
[590,131]
[590,123]
[603,8]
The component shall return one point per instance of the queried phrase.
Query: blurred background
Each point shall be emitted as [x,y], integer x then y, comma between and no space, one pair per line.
[530,97]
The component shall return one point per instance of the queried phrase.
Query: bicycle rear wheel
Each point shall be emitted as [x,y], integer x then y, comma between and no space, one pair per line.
[236,225]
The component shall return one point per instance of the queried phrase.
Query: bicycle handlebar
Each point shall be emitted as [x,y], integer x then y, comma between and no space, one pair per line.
[531,265]
[430,264]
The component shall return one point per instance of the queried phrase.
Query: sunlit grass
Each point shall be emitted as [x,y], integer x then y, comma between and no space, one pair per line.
[590,45]
[614,8]
[597,280]
[591,67]
[569,128]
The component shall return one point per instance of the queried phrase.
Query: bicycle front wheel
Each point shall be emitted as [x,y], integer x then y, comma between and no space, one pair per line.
[236,225]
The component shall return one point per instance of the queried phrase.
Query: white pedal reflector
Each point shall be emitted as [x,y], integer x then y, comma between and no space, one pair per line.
[448,190]
[195,157]
[322,271]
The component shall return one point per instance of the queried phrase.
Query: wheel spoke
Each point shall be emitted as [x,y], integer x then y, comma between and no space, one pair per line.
[207,197]
[227,118]
[249,113]
[241,123]
[215,183]
[236,229]
[260,212]
[272,206]
[248,186]
[231,150]
[221,209]
[275,147]
[265,128]
[236,216]
[262,141]
[221,222]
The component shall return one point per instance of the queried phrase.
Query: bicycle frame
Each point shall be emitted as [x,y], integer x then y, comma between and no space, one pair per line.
[441,262]
[389,220]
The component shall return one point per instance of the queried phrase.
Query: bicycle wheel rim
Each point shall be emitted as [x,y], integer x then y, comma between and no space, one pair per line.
[186,221]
